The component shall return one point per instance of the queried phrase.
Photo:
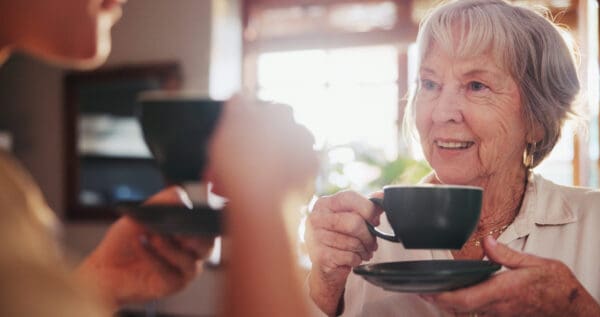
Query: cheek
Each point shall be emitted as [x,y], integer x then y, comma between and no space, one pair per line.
[80,21]
[91,42]
[501,135]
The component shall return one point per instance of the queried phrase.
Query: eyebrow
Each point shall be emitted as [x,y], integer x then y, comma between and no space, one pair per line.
[427,70]
[470,73]
[476,72]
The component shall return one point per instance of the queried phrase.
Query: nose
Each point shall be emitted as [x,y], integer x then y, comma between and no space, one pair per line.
[448,107]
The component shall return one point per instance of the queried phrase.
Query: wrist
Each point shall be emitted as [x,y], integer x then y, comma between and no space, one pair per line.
[90,274]
[329,298]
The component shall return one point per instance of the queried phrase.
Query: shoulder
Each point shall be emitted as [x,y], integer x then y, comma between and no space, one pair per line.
[578,202]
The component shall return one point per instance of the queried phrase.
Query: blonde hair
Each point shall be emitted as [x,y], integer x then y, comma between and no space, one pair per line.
[35,279]
[533,49]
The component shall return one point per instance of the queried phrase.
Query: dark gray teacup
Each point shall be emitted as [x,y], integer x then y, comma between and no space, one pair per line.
[430,216]
[177,128]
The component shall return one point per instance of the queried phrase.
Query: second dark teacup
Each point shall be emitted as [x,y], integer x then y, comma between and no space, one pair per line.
[177,127]
[430,216]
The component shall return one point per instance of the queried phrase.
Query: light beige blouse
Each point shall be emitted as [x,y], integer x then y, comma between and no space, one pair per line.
[555,221]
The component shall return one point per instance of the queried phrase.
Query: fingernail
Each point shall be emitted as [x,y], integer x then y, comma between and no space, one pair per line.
[184,197]
[376,222]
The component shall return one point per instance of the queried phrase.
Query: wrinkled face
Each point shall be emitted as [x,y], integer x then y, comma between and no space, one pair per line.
[469,118]
[74,32]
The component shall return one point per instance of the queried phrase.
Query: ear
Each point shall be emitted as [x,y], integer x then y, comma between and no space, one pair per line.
[536,133]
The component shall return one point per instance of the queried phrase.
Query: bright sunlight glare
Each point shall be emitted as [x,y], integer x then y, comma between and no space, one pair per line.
[336,94]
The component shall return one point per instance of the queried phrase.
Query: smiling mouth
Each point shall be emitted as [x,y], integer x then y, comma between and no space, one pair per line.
[454,145]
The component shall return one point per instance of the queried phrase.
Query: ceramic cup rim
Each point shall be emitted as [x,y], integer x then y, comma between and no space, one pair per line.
[433,186]
[157,96]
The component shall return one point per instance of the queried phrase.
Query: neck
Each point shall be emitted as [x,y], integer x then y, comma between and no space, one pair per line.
[502,197]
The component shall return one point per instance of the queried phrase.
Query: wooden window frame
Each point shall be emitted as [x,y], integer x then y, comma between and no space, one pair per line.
[168,75]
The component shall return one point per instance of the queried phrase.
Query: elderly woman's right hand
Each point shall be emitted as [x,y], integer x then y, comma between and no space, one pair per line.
[338,240]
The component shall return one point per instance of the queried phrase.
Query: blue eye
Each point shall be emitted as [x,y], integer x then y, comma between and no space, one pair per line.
[477,86]
[428,84]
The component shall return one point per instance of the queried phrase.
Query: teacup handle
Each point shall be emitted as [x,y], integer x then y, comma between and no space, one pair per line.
[374,231]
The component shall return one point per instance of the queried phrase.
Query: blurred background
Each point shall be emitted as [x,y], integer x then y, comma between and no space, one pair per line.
[345,67]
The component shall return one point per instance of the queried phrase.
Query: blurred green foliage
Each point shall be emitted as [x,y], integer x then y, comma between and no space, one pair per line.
[374,170]
[401,171]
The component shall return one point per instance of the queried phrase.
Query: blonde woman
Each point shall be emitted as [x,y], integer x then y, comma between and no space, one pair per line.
[258,155]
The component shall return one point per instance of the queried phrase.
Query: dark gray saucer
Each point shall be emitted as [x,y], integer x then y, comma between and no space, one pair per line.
[200,220]
[426,276]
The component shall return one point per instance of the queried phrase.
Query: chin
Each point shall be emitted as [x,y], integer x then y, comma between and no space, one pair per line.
[83,57]
[88,64]
[77,61]
[92,60]
[88,48]
[453,176]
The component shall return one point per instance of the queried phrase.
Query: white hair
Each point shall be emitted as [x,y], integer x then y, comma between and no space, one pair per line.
[530,47]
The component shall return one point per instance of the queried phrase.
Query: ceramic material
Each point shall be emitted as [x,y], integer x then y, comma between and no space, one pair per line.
[197,221]
[430,217]
[426,276]
[177,129]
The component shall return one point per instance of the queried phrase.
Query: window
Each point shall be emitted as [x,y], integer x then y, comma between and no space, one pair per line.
[342,66]
[340,98]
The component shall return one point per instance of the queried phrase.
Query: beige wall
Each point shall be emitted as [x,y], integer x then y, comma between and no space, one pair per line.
[154,30]
[31,109]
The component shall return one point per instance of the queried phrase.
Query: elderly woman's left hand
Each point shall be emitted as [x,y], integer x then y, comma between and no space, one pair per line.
[533,286]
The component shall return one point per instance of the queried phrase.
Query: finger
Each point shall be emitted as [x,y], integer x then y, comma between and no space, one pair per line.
[502,254]
[168,196]
[165,277]
[169,251]
[200,247]
[343,243]
[377,194]
[349,224]
[132,226]
[479,297]
[332,259]
[350,201]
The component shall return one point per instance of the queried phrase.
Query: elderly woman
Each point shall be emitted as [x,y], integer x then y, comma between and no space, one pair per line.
[496,82]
